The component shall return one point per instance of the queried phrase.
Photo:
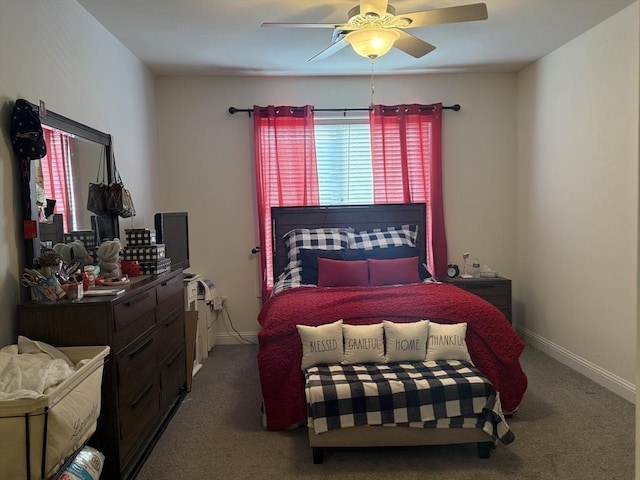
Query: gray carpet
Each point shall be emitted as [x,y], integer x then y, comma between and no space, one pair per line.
[567,427]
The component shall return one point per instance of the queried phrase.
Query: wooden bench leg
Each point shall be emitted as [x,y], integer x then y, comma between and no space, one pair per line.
[484,449]
[318,454]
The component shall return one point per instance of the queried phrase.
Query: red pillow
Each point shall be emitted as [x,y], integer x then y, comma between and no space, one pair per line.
[342,273]
[393,271]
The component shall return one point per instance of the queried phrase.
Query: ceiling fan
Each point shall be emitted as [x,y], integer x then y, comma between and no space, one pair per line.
[373,28]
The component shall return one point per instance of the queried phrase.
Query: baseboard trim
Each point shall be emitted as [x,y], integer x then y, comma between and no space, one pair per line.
[243,338]
[590,370]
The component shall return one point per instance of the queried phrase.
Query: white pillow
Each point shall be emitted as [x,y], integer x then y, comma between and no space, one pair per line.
[406,342]
[321,344]
[363,343]
[447,342]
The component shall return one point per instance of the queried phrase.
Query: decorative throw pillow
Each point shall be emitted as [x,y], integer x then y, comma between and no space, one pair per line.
[385,237]
[341,273]
[317,238]
[447,342]
[321,344]
[393,271]
[396,252]
[309,259]
[406,342]
[363,343]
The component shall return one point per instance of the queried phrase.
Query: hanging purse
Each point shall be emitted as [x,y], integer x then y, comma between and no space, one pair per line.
[119,199]
[99,191]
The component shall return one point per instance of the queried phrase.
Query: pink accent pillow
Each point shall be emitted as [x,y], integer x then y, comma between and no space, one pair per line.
[342,273]
[393,271]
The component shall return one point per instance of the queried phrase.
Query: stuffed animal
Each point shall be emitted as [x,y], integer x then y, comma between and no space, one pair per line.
[73,251]
[109,258]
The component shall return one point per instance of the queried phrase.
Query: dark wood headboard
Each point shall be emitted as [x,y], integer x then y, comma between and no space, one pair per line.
[360,217]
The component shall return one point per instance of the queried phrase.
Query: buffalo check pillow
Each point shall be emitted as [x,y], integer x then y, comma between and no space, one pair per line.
[317,238]
[447,342]
[384,237]
[406,342]
[321,344]
[363,343]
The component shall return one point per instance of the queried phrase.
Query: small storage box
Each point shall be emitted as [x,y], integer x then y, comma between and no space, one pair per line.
[87,237]
[157,267]
[39,435]
[147,253]
[140,236]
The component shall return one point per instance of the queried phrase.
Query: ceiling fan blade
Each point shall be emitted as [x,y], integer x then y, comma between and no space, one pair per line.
[412,45]
[298,25]
[330,50]
[379,7]
[463,13]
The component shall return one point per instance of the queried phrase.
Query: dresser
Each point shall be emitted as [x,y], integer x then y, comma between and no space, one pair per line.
[145,373]
[496,291]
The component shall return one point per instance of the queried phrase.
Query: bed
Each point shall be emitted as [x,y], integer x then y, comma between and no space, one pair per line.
[493,346]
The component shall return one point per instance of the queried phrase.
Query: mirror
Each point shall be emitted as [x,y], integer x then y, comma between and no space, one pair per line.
[59,182]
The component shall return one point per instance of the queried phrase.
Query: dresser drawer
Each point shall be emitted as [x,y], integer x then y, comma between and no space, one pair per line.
[135,365]
[170,287]
[138,415]
[489,289]
[170,325]
[132,318]
[172,374]
[496,291]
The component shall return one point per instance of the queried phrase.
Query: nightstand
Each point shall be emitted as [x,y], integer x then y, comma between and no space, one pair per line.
[496,291]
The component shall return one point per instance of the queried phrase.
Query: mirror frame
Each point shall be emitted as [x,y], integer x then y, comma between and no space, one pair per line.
[65,124]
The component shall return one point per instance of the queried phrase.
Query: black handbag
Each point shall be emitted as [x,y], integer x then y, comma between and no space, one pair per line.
[119,198]
[99,191]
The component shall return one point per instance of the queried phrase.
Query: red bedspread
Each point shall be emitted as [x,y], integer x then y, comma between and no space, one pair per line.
[492,342]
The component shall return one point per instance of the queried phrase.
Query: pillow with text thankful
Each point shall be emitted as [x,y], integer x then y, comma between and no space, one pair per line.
[321,344]
[447,342]
[363,343]
[406,342]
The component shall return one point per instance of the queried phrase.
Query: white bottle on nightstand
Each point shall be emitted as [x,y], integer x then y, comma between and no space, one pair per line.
[476,268]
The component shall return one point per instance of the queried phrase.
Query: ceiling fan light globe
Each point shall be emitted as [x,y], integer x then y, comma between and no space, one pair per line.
[372,42]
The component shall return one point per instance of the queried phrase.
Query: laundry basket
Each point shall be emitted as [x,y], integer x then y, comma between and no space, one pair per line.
[39,435]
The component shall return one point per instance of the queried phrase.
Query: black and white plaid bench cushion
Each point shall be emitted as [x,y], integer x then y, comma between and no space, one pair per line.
[416,394]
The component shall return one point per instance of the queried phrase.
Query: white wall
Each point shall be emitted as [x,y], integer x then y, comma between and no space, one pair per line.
[577,276]
[207,165]
[57,52]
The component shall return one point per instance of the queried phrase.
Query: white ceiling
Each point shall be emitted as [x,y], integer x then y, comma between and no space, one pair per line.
[224,37]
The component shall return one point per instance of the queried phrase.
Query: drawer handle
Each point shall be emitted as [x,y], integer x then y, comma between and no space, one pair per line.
[172,319]
[142,347]
[173,359]
[137,299]
[135,403]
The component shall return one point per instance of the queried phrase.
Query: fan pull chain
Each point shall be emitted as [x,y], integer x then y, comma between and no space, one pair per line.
[373,88]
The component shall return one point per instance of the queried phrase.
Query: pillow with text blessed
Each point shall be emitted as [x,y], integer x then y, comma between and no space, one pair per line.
[321,344]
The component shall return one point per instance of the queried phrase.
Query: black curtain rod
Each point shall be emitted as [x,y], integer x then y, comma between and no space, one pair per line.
[233,110]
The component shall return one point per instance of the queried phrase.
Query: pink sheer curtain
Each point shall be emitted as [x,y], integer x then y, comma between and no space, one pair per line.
[406,150]
[286,170]
[55,174]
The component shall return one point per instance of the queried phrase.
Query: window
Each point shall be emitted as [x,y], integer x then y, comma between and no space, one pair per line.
[343,156]
[393,155]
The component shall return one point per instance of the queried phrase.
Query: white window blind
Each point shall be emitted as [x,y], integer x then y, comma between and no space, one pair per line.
[343,155]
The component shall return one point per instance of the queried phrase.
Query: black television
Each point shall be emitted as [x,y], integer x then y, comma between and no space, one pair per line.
[172,230]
